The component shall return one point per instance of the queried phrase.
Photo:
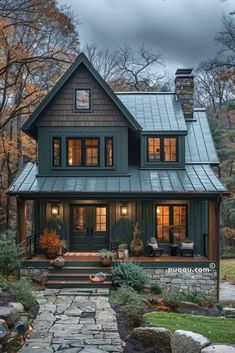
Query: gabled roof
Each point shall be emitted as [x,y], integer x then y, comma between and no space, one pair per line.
[30,125]
[193,180]
[155,111]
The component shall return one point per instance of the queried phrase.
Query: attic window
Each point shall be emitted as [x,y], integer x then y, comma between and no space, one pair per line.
[82,99]
[162,149]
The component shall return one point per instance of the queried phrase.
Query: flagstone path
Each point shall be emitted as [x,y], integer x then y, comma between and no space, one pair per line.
[72,321]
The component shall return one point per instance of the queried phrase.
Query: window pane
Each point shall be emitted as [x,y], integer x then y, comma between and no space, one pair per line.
[154,149]
[74,152]
[91,152]
[83,99]
[170,149]
[109,152]
[56,152]
[79,219]
[100,219]
[162,222]
[180,222]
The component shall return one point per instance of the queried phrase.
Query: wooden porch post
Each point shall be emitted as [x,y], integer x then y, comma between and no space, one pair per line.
[21,221]
[213,227]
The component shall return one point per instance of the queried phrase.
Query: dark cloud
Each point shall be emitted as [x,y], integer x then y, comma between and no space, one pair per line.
[182,30]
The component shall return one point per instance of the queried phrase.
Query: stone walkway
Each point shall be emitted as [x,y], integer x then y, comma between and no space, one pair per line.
[72,321]
[227,292]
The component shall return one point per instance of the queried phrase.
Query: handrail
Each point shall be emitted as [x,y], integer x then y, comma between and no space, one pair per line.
[27,247]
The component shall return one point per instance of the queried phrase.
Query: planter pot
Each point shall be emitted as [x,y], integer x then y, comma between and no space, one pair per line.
[121,254]
[97,279]
[51,253]
[126,253]
[136,252]
[58,264]
[106,261]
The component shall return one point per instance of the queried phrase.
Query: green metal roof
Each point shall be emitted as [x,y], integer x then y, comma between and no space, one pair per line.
[194,179]
[199,144]
[29,126]
[155,111]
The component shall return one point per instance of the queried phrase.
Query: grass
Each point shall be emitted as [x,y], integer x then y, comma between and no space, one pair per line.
[215,329]
[227,270]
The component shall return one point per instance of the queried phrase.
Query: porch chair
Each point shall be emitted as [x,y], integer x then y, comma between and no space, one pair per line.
[187,248]
[153,248]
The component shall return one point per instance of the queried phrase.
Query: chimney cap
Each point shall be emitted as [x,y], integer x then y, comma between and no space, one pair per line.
[184,72]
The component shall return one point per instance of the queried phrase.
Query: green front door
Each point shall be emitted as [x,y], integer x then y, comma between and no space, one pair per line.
[89,228]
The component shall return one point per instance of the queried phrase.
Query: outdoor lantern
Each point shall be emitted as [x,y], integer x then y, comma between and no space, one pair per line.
[55,210]
[124,210]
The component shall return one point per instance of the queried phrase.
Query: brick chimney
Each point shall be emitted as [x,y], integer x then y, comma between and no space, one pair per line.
[184,89]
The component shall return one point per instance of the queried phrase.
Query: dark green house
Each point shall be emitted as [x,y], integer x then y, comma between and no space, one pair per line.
[108,160]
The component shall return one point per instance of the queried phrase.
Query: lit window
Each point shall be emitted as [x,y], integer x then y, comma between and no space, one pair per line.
[171,223]
[82,152]
[82,99]
[91,152]
[56,152]
[162,149]
[101,219]
[74,151]
[109,152]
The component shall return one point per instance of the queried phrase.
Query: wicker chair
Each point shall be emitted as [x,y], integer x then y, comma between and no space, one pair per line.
[187,248]
[153,248]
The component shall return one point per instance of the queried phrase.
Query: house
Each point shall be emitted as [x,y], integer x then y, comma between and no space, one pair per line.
[108,160]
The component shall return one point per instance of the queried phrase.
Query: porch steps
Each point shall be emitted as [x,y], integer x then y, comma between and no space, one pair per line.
[76,275]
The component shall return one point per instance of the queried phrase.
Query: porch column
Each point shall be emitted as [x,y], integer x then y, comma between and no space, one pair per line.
[21,221]
[213,227]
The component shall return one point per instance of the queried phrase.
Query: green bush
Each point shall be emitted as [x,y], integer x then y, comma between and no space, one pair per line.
[134,313]
[129,274]
[23,291]
[173,299]
[125,295]
[9,257]
[156,289]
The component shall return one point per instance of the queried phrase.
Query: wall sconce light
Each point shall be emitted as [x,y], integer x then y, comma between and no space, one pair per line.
[124,210]
[55,210]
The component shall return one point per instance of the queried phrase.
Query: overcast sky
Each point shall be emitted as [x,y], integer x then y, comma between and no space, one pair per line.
[182,30]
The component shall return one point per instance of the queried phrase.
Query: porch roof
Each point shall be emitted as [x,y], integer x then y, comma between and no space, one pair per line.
[195,179]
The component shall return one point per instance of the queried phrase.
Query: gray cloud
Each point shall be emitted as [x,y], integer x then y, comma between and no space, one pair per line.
[182,30]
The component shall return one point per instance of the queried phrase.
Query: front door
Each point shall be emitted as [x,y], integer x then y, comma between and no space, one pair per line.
[89,228]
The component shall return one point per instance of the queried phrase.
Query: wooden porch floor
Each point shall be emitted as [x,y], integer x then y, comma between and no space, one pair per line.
[82,257]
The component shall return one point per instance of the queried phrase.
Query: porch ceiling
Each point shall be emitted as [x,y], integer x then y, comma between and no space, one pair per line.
[195,179]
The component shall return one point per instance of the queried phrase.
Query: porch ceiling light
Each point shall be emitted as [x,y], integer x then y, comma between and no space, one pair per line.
[124,210]
[55,210]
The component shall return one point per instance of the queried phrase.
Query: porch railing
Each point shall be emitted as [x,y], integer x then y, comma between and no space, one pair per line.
[27,248]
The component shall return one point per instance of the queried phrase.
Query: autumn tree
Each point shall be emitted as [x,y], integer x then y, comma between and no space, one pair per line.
[38,41]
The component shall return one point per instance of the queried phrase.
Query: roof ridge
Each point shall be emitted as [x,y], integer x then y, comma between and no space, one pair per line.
[145,92]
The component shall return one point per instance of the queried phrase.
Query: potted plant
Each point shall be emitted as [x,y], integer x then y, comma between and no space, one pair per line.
[98,277]
[58,262]
[106,257]
[50,242]
[121,251]
[136,246]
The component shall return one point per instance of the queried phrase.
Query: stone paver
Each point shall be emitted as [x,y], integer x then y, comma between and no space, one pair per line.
[227,292]
[74,321]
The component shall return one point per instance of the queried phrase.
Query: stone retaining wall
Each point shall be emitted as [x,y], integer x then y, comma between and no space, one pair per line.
[186,279]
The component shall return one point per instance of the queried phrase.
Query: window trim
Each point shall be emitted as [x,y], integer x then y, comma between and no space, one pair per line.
[60,152]
[75,108]
[105,151]
[83,151]
[162,158]
[171,219]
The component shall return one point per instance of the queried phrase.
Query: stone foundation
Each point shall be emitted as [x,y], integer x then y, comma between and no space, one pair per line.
[185,278]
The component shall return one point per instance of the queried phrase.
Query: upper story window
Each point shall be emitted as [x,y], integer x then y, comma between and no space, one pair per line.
[83,152]
[162,149]
[82,99]
[56,152]
[108,152]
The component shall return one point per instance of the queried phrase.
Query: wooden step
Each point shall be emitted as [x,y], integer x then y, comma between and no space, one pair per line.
[78,284]
[72,274]
[80,268]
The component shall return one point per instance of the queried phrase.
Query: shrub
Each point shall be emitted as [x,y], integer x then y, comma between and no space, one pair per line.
[23,291]
[9,257]
[130,274]
[125,295]
[173,299]
[134,313]
[156,289]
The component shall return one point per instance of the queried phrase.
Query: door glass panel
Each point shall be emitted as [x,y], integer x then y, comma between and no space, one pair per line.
[163,222]
[180,222]
[79,219]
[101,219]
[91,152]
